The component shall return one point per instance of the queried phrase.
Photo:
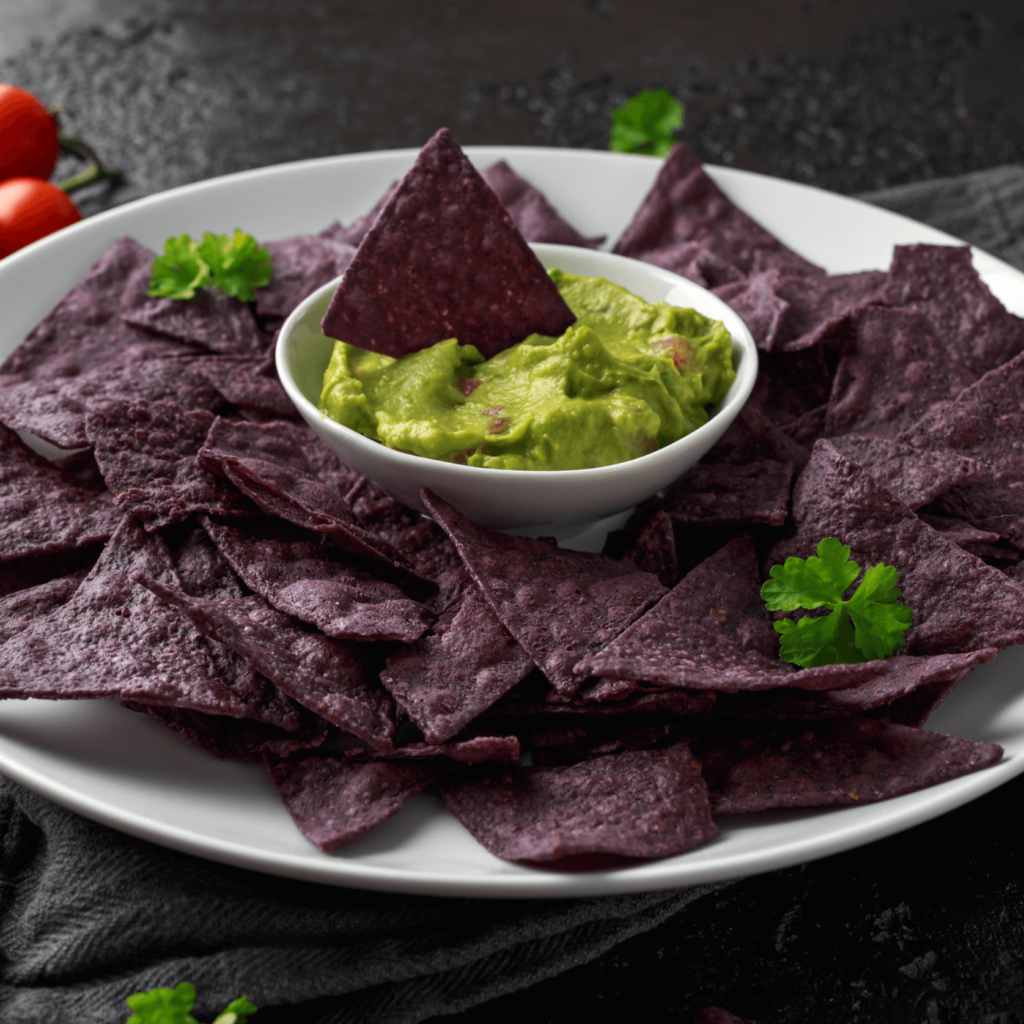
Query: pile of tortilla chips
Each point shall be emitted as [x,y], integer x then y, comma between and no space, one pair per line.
[203,559]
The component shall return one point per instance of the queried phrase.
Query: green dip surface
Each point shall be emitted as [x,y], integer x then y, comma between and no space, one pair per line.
[626,379]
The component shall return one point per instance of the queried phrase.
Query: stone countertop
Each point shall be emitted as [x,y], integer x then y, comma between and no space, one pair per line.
[924,926]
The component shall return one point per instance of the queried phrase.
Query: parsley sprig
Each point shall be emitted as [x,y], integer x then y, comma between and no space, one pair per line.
[173,1006]
[646,123]
[236,264]
[870,624]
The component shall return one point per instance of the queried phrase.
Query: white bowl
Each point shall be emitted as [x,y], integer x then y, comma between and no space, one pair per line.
[560,502]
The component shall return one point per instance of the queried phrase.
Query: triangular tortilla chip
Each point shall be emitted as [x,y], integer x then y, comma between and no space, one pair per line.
[845,761]
[327,676]
[940,281]
[559,604]
[115,639]
[42,510]
[447,679]
[646,803]
[444,260]
[298,573]
[685,205]
[535,218]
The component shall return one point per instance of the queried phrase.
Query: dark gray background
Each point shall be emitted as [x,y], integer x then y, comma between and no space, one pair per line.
[849,96]
[846,94]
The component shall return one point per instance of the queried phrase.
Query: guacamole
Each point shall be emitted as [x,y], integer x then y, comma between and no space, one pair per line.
[626,379]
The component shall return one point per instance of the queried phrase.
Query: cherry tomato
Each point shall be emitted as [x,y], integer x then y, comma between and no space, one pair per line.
[29,209]
[28,136]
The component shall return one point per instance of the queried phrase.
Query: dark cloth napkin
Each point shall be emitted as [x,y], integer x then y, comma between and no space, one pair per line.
[88,915]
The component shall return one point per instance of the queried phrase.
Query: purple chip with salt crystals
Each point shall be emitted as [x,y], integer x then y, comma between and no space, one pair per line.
[148,455]
[557,603]
[333,800]
[300,574]
[649,803]
[843,761]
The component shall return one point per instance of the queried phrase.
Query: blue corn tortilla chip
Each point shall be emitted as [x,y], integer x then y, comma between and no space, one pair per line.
[791,385]
[332,800]
[217,322]
[148,455]
[685,206]
[896,368]
[900,676]
[301,264]
[114,639]
[204,572]
[754,438]
[982,424]
[722,494]
[419,539]
[272,464]
[85,331]
[842,761]
[23,573]
[21,608]
[444,260]
[959,603]
[915,472]
[495,749]
[558,604]
[55,408]
[247,383]
[697,262]
[42,510]
[649,803]
[324,675]
[534,217]
[561,739]
[298,573]
[447,679]
[788,312]
[654,550]
[956,529]
[940,282]
[758,303]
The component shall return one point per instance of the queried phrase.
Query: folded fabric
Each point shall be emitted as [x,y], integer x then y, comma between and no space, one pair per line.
[90,915]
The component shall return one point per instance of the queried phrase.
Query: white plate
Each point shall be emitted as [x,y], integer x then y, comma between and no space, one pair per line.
[125,770]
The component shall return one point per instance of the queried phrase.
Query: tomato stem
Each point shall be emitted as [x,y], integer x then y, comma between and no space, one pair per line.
[96,171]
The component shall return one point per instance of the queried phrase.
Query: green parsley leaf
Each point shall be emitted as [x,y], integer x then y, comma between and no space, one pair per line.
[172,1005]
[646,123]
[237,1011]
[163,1005]
[178,271]
[238,263]
[868,625]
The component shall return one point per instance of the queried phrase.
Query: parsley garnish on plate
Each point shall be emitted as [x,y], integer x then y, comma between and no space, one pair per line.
[869,624]
[236,264]
[646,123]
[172,1006]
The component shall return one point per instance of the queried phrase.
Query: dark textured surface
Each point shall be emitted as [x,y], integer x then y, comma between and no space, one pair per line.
[843,94]
[925,926]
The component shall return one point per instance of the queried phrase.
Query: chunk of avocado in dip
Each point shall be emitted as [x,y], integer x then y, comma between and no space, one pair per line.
[626,379]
